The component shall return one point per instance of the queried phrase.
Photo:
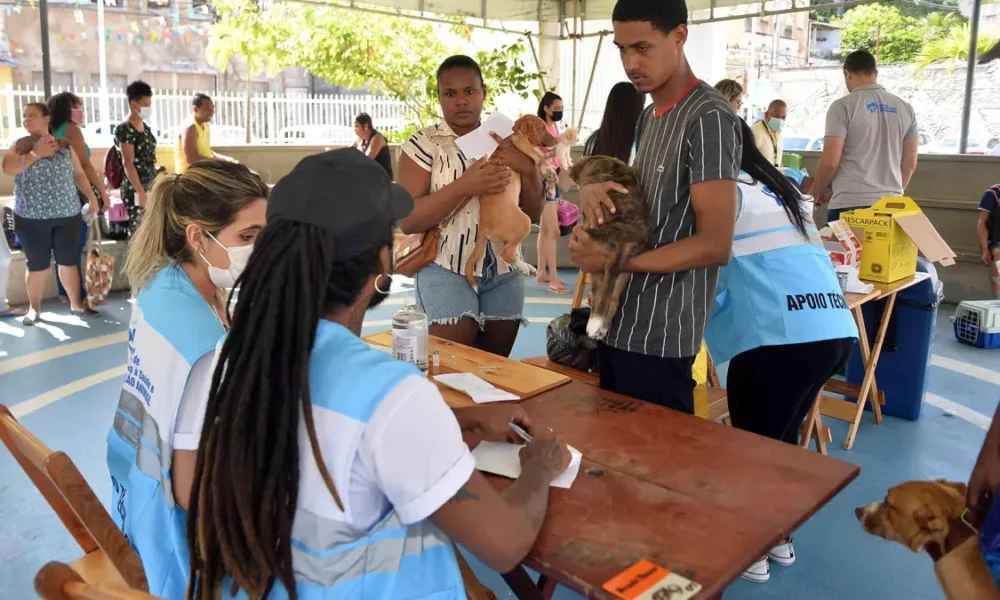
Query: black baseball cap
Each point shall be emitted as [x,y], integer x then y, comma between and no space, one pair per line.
[344,192]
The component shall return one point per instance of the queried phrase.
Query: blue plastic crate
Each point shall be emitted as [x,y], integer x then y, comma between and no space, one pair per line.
[978,323]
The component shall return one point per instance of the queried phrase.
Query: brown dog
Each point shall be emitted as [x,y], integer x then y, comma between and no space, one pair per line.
[915,513]
[622,236]
[921,513]
[500,216]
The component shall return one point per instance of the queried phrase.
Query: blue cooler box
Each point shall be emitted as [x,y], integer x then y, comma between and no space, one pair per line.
[902,368]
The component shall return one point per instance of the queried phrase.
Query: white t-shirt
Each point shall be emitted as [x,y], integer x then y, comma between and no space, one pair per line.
[411,455]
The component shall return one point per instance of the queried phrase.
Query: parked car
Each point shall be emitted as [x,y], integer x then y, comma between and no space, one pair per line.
[974,146]
[222,135]
[335,135]
[102,135]
[791,144]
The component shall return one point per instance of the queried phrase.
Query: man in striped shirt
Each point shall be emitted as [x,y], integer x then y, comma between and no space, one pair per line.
[688,159]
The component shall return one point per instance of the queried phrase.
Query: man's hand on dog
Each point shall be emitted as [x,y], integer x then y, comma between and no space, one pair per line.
[586,255]
[594,199]
[506,155]
[484,179]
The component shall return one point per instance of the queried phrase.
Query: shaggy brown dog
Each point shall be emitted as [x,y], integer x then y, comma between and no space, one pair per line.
[622,236]
[500,216]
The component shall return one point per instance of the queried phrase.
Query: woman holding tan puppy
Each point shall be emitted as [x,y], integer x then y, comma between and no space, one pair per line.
[446,187]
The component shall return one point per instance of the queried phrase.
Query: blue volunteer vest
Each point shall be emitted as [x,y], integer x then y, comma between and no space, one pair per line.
[332,559]
[171,328]
[779,288]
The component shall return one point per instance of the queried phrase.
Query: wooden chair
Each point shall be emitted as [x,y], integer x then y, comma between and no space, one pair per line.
[57,581]
[108,558]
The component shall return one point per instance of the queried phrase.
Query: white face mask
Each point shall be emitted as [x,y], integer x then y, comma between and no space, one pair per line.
[239,256]
[145,112]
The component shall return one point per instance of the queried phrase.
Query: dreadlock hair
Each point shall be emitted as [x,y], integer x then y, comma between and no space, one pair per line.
[761,169]
[246,482]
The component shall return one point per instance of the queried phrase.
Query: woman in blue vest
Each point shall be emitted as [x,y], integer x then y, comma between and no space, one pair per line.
[326,469]
[779,317]
[198,230]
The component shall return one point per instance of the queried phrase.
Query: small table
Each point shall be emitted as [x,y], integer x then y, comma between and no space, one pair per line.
[517,378]
[660,485]
[868,390]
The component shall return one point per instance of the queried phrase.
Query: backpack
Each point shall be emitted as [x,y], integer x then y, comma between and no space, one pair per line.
[114,170]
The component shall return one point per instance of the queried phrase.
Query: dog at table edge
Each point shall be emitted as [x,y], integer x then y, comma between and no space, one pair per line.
[622,235]
[922,513]
[500,216]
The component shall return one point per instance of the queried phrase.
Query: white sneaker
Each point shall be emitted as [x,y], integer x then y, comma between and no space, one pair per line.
[758,572]
[783,553]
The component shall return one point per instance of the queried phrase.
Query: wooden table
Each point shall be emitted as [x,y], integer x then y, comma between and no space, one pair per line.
[709,402]
[699,499]
[868,389]
[515,377]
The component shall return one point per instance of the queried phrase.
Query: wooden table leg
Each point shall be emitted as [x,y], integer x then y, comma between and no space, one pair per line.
[866,354]
[521,584]
[870,365]
[580,291]
[814,427]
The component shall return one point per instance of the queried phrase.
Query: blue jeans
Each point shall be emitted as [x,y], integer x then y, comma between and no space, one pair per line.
[446,297]
[834,213]
[81,265]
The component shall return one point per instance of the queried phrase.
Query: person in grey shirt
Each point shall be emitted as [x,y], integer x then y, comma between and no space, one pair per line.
[688,159]
[871,142]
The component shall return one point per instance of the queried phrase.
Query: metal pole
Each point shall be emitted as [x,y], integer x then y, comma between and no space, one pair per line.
[576,42]
[43,16]
[104,104]
[590,82]
[538,64]
[970,74]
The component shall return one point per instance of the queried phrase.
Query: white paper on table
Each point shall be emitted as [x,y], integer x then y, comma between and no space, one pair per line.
[504,459]
[479,143]
[480,390]
[854,284]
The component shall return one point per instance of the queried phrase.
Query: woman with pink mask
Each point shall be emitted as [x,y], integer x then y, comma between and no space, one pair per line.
[67,122]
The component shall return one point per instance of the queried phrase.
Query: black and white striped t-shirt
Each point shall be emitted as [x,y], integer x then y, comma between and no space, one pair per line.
[697,139]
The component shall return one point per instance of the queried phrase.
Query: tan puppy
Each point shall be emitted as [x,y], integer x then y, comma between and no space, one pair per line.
[919,513]
[500,216]
[915,513]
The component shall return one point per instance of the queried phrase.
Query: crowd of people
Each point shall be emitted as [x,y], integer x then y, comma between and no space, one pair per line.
[290,455]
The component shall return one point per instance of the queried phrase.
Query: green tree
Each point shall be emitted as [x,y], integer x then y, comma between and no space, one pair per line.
[884,31]
[396,56]
[953,48]
[261,37]
[387,55]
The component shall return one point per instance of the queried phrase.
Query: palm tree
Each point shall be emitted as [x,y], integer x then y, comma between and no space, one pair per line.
[953,48]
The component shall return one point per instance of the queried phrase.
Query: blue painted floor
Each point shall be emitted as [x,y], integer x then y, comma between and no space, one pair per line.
[836,559]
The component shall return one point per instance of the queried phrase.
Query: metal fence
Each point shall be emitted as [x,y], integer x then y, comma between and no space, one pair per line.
[276,119]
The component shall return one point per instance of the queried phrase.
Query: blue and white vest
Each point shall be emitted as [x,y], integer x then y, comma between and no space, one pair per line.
[171,328]
[331,558]
[779,288]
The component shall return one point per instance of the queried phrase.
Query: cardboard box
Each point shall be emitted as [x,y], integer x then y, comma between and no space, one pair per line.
[891,233]
[842,244]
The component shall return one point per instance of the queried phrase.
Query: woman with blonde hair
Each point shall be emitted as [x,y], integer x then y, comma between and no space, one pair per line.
[193,243]
[733,92]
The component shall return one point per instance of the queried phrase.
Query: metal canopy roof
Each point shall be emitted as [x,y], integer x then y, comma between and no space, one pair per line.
[556,11]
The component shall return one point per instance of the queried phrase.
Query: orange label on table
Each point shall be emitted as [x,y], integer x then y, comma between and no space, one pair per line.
[646,581]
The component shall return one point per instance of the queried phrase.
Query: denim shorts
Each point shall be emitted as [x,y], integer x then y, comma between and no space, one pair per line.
[446,297]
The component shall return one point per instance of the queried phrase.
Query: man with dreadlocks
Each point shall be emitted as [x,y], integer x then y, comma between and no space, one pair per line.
[324,468]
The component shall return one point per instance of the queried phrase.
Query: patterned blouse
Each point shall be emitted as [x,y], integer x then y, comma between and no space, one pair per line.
[434,150]
[47,189]
[144,143]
